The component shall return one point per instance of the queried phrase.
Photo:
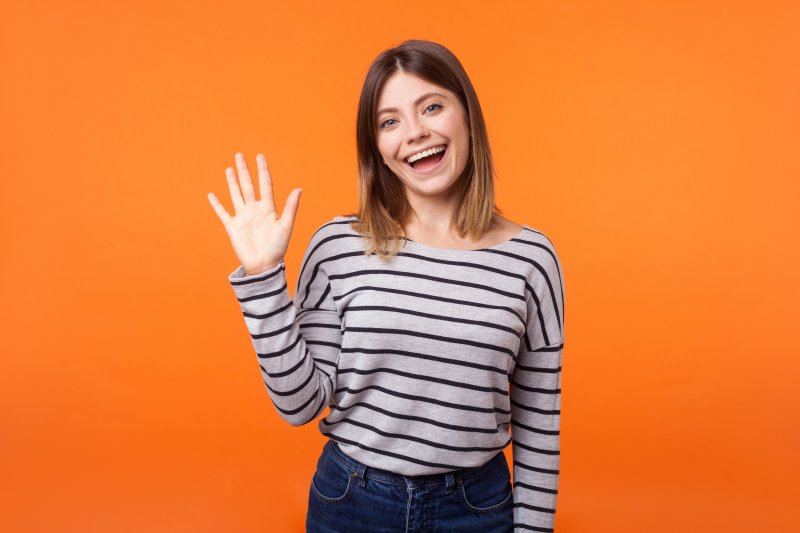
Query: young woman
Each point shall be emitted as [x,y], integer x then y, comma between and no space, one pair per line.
[433,353]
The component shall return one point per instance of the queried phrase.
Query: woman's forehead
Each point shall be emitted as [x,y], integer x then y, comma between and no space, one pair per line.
[402,88]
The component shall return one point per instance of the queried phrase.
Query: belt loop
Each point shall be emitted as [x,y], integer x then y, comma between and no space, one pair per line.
[361,469]
[449,482]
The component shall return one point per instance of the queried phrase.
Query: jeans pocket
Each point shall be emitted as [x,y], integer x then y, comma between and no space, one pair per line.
[488,489]
[332,482]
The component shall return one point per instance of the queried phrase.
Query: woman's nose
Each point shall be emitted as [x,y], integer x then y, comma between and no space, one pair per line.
[416,129]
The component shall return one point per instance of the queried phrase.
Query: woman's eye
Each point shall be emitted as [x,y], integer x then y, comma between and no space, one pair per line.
[384,123]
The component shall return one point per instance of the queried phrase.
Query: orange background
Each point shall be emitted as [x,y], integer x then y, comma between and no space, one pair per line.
[655,143]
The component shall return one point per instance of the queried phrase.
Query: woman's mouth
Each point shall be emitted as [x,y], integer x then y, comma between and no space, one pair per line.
[429,164]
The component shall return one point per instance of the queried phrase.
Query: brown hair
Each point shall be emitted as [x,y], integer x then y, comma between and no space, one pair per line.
[383,206]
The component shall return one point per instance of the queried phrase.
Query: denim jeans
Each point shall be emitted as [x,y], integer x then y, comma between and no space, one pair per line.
[347,496]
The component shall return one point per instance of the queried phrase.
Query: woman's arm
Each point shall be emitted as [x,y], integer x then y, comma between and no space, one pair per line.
[535,395]
[297,342]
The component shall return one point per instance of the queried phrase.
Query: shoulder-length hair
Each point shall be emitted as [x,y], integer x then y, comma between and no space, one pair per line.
[383,206]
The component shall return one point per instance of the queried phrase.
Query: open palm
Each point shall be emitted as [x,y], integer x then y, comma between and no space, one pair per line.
[258,235]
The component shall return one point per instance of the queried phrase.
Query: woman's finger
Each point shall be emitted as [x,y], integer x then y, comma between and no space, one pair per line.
[236,194]
[221,213]
[290,209]
[265,183]
[245,181]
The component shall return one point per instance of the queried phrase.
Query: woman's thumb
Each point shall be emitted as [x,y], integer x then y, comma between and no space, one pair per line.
[292,206]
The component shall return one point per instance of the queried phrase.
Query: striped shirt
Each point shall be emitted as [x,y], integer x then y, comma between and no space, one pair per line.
[431,362]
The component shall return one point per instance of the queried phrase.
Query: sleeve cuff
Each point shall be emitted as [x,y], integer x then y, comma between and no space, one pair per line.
[245,285]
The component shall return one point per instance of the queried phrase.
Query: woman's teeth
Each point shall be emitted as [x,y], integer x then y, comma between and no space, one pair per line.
[426,153]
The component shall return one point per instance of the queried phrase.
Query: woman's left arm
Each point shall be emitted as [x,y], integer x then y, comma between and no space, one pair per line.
[535,394]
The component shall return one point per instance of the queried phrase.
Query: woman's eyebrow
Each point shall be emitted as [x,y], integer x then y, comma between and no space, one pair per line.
[416,102]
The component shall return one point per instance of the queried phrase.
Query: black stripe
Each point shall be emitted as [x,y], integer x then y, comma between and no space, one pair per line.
[420,419]
[437,279]
[433,444]
[451,340]
[404,311]
[535,409]
[520,425]
[311,374]
[427,357]
[430,297]
[534,487]
[278,311]
[274,292]
[295,411]
[538,529]
[534,507]
[536,468]
[422,377]
[258,279]
[390,392]
[536,389]
[536,450]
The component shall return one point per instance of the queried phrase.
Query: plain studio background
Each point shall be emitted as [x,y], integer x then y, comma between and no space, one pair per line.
[656,144]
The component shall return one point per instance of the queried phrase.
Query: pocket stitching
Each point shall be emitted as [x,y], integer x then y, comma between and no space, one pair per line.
[327,499]
[494,507]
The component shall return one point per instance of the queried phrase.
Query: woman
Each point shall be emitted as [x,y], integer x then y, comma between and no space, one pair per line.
[428,356]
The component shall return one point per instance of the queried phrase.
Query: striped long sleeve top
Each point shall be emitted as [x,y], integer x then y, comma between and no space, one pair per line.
[431,362]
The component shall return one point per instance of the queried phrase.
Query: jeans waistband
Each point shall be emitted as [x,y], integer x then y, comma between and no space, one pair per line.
[393,478]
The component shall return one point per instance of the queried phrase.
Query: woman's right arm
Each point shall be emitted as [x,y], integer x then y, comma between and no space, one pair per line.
[297,343]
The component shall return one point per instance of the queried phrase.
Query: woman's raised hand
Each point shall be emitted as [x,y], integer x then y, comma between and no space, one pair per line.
[258,235]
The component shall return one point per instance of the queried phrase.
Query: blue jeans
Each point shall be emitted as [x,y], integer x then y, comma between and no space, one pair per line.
[347,496]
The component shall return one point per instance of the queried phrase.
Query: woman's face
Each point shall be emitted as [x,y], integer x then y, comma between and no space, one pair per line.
[413,116]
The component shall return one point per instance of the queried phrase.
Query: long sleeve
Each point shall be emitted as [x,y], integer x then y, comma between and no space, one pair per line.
[536,399]
[297,342]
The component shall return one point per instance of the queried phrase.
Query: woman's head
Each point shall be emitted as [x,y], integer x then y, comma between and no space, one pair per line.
[385,139]
[417,117]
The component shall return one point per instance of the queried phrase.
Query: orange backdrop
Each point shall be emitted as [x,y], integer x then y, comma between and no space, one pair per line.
[656,143]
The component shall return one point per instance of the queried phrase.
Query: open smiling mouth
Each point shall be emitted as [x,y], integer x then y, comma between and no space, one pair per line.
[428,164]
